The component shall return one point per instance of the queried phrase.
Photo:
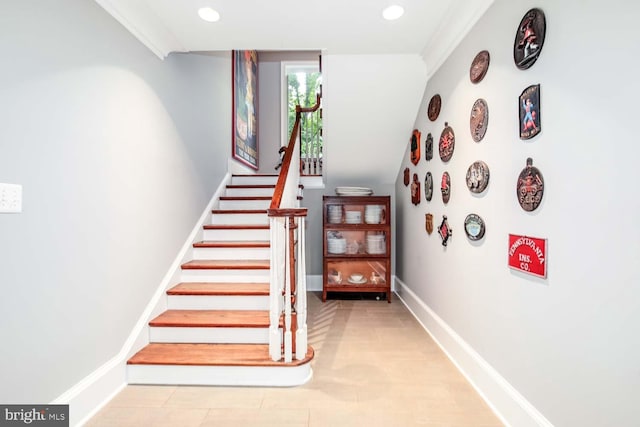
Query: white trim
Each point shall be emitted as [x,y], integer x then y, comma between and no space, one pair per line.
[506,402]
[90,394]
[314,283]
[458,21]
[285,376]
[160,51]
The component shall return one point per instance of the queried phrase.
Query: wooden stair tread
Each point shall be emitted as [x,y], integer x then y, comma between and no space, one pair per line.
[211,355]
[239,211]
[232,244]
[236,226]
[212,288]
[212,319]
[234,186]
[220,264]
[245,197]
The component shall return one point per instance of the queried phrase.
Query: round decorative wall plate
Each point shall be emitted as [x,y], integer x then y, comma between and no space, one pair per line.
[530,187]
[407,176]
[415,146]
[428,147]
[433,110]
[478,176]
[447,143]
[479,119]
[479,66]
[445,187]
[428,187]
[474,227]
[529,38]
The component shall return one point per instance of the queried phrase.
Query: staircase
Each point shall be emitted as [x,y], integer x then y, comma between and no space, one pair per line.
[215,330]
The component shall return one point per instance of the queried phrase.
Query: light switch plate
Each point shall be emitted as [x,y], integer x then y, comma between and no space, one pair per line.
[10,198]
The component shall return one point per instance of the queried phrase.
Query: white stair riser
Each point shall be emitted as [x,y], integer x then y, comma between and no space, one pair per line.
[273,376]
[230,253]
[244,192]
[159,334]
[239,218]
[233,276]
[254,180]
[244,204]
[236,234]
[218,302]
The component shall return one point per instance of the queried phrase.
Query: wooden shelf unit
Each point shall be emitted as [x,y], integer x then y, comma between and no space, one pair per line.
[356,240]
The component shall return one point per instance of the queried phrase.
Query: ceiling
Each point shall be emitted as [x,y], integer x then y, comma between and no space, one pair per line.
[430,28]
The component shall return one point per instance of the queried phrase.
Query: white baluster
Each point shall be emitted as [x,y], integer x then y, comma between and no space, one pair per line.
[275,290]
[301,300]
[288,351]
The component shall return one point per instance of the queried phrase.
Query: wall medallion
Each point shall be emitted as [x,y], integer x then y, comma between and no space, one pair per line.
[428,147]
[479,66]
[428,223]
[529,39]
[445,187]
[530,124]
[428,187]
[478,177]
[415,190]
[447,143]
[479,119]
[407,176]
[445,231]
[530,187]
[415,146]
[474,227]
[433,110]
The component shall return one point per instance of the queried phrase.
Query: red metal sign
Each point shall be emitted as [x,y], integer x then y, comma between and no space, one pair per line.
[528,254]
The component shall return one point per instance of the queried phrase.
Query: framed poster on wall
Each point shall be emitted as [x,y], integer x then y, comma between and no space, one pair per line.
[245,106]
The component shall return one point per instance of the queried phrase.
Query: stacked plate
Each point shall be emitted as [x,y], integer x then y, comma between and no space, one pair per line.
[376,244]
[353,217]
[336,244]
[353,191]
[335,214]
[373,214]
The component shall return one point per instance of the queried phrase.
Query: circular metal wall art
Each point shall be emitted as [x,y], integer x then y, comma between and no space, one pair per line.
[479,119]
[478,177]
[530,187]
[428,187]
[479,66]
[433,110]
[445,187]
[529,39]
[474,227]
[447,143]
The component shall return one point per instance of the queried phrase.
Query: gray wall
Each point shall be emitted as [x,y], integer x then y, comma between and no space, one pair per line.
[118,154]
[569,344]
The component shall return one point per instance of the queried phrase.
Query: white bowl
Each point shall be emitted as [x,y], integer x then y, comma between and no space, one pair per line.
[356,277]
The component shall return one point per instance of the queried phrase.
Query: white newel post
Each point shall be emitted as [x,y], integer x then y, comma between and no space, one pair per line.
[275,290]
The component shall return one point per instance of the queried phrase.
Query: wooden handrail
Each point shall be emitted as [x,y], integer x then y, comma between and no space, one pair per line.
[288,154]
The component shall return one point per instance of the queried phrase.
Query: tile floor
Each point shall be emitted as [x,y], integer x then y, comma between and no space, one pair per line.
[374,366]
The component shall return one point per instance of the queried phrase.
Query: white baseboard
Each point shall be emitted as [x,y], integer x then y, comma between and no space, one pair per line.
[507,403]
[90,394]
[314,283]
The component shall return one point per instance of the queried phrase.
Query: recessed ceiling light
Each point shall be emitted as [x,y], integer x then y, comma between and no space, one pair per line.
[208,14]
[393,12]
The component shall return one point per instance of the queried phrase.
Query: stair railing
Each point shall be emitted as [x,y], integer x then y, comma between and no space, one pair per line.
[311,139]
[288,301]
